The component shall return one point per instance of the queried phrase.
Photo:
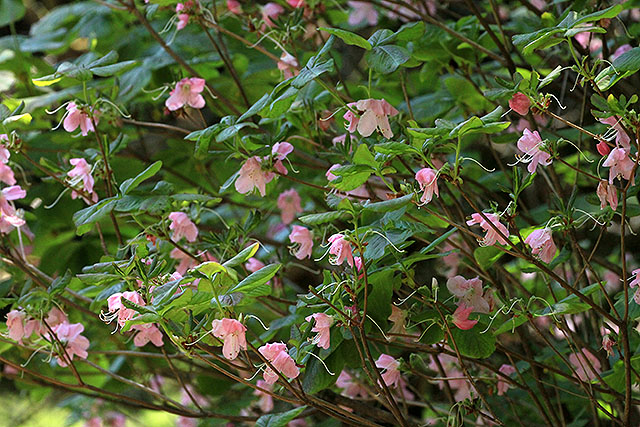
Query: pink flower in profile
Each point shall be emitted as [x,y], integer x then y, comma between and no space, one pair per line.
[254,264]
[503,386]
[82,171]
[391,374]
[635,283]
[147,333]
[585,364]
[17,327]
[276,354]
[182,226]
[352,118]
[266,401]
[542,245]
[329,174]
[621,136]
[252,176]
[303,237]
[76,117]
[520,103]
[603,148]
[428,180]
[322,326]
[620,50]
[185,261]
[492,235]
[75,344]
[529,143]
[362,12]
[607,193]
[296,3]
[6,173]
[607,344]
[375,116]
[341,249]
[271,11]
[289,205]
[234,7]
[280,151]
[620,163]
[232,333]
[288,65]
[8,217]
[119,310]
[461,317]
[350,388]
[55,317]
[469,292]
[186,92]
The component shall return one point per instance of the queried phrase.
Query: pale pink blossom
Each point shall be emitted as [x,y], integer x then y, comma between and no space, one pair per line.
[186,92]
[341,250]
[295,3]
[6,174]
[147,333]
[635,283]
[607,194]
[182,226]
[288,65]
[303,237]
[289,205]
[252,176]
[280,151]
[185,261]
[183,20]
[362,12]
[75,344]
[232,333]
[234,7]
[271,11]
[266,401]
[55,317]
[428,180]
[391,374]
[8,217]
[622,139]
[586,365]
[461,317]
[350,388]
[82,171]
[542,245]
[17,326]
[470,292]
[529,143]
[276,354]
[376,113]
[503,385]
[254,264]
[117,308]
[322,326]
[76,117]
[340,139]
[520,103]
[491,236]
[620,165]
[329,174]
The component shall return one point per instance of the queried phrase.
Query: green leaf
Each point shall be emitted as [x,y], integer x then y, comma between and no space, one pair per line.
[380,295]
[386,59]
[628,61]
[11,11]
[210,268]
[132,183]
[280,419]
[348,37]
[572,304]
[363,156]
[113,69]
[314,69]
[85,218]
[610,12]
[410,31]
[486,256]
[320,218]
[242,256]
[254,284]
[395,148]
[472,343]
[389,205]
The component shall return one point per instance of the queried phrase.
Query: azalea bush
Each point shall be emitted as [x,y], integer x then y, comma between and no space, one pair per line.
[320,213]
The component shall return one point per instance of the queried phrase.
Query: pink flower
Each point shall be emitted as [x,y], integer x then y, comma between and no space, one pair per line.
[117,308]
[183,20]
[608,344]
[323,328]
[330,176]
[341,249]
[391,375]
[492,235]
[75,344]
[529,143]
[542,245]
[55,317]
[186,92]
[234,7]
[296,3]
[585,364]
[520,103]
[620,163]
[280,151]
[621,136]
[635,283]
[252,176]
[148,332]
[76,117]
[182,226]
[427,178]
[186,262]
[8,217]
[375,115]
[469,292]
[352,118]
[232,333]
[461,317]
[289,204]
[266,401]
[503,386]
[288,65]
[362,12]
[603,148]
[16,325]
[82,171]
[607,194]
[350,388]
[276,354]
[304,238]
[6,174]
[254,264]
[271,11]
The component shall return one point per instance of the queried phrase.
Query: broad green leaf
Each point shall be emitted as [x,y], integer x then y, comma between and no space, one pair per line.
[320,218]
[348,37]
[242,256]
[472,343]
[11,11]
[386,59]
[389,205]
[280,419]
[133,183]
[85,218]
[255,283]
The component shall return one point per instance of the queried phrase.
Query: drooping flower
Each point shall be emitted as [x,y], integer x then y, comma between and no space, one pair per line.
[635,283]
[428,180]
[461,317]
[182,226]
[82,171]
[6,173]
[288,65]
[76,117]
[55,317]
[375,115]
[266,401]
[622,139]
[607,344]
[620,165]
[271,11]
[280,151]
[470,292]
[350,388]
[186,92]
[75,344]
[585,363]
[118,309]
[289,205]
[491,236]
[520,103]
[147,333]
[542,245]
[322,326]
[276,354]
[391,374]
[304,238]
[232,333]
[234,7]
[252,176]
[8,217]
[183,18]
[341,249]
[17,326]
[529,143]
[362,12]
[503,386]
